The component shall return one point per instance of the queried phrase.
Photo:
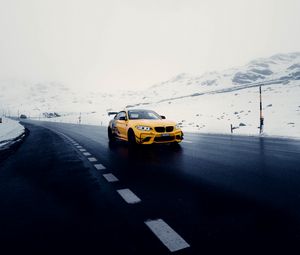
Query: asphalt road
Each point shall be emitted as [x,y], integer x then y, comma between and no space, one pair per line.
[213,194]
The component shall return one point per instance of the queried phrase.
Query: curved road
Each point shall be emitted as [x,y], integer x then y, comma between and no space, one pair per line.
[66,191]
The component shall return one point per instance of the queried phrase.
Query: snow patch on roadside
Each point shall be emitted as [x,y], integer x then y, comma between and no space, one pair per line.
[9,130]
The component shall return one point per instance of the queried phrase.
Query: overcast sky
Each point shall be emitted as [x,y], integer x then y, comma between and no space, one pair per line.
[133,44]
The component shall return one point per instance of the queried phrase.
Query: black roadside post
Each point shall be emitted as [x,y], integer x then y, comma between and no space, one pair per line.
[79,119]
[261,118]
[231,128]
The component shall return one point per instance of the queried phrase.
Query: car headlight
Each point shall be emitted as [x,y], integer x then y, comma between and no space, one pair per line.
[143,128]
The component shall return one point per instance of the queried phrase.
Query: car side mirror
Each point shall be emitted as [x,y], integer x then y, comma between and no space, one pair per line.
[163,117]
[123,118]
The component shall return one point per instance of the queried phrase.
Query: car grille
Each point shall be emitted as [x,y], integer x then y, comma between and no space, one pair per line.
[164,139]
[164,129]
[160,129]
[169,129]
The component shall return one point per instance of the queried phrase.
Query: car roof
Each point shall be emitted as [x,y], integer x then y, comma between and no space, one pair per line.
[138,110]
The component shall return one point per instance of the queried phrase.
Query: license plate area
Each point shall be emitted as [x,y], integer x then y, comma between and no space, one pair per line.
[166,134]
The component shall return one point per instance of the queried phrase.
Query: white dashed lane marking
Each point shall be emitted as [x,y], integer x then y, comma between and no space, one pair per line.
[172,240]
[161,229]
[99,167]
[167,235]
[129,196]
[110,177]
[92,159]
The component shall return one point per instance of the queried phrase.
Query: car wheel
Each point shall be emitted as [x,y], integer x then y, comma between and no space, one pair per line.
[131,138]
[110,134]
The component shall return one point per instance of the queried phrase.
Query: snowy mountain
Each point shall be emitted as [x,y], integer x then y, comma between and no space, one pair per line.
[208,103]
[277,69]
[35,99]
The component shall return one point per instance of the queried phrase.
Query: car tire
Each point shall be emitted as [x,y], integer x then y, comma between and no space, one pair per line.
[131,138]
[110,135]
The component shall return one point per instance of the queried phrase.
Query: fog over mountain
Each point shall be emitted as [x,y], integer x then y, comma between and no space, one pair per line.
[117,45]
[207,102]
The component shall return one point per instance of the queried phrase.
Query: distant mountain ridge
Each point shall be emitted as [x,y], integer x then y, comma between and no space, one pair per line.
[279,68]
[52,96]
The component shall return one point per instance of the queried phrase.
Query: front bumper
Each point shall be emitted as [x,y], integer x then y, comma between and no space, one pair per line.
[154,137]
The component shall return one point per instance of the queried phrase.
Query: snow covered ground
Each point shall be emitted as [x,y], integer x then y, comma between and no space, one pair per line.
[208,103]
[214,113]
[9,130]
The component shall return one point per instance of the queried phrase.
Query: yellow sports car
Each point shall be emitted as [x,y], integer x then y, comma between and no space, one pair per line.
[143,127]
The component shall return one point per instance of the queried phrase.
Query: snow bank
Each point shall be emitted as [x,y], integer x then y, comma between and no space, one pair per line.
[9,130]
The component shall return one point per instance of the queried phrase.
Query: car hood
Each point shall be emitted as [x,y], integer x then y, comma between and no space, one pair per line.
[153,123]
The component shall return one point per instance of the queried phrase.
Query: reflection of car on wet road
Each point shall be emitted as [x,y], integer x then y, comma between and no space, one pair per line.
[143,127]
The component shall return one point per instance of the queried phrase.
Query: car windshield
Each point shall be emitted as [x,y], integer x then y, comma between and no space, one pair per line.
[143,114]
